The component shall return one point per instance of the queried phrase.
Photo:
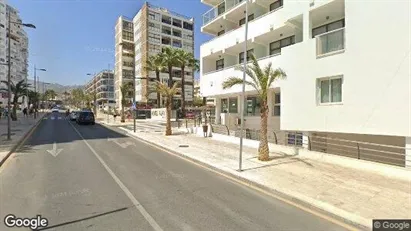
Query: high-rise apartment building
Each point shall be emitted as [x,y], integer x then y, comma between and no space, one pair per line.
[19,47]
[102,84]
[124,56]
[153,28]
[343,85]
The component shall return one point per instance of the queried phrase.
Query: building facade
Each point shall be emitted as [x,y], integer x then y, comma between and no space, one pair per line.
[154,29]
[19,48]
[197,94]
[124,57]
[102,84]
[342,84]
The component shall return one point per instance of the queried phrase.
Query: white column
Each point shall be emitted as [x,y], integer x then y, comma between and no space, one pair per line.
[217,110]
[305,140]
[306,26]
[408,152]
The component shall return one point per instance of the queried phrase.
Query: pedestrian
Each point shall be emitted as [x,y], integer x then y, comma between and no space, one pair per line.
[25,112]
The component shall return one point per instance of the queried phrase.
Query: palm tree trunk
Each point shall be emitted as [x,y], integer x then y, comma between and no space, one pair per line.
[170,81]
[13,114]
[158,93]
[168,116]
[183,95]
[263,150]
[123,119]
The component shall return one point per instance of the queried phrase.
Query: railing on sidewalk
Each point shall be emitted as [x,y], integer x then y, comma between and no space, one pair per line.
[387,154]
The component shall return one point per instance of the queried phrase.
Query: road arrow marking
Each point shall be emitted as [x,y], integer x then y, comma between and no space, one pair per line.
[52,118]
[123,145]
[59,118]
[54,152]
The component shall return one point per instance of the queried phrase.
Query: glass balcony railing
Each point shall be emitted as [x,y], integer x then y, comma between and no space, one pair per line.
[218,10]
[330,42]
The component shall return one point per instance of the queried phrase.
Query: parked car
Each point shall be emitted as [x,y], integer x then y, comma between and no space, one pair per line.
[73,115]
[55,109]
[85,117]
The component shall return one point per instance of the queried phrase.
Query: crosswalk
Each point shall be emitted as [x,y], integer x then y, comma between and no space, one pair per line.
[147,127]
[56,118]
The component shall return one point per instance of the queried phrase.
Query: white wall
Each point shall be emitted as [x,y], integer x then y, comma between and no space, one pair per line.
[376,85]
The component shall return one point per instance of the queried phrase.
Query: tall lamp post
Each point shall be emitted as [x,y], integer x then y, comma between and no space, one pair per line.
[9,71]
[35,89]
[44,92]
[243,89]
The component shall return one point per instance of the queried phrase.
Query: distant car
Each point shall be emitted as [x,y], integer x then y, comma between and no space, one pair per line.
[85,117]
[73,115]
[55,109]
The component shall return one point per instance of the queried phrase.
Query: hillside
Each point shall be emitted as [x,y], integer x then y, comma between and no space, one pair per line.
[54,86]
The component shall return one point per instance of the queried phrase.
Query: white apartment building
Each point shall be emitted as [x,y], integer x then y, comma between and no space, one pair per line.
[102,84]
[154,28]
[347,65]
[198,94]
[19,48]
[124,56]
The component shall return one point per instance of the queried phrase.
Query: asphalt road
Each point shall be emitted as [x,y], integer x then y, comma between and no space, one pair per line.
[122,184]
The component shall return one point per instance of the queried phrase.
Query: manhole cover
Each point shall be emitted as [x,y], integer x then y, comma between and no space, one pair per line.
[183,146]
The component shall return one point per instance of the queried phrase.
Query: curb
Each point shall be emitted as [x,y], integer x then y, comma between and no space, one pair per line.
[258,185]
[22,139]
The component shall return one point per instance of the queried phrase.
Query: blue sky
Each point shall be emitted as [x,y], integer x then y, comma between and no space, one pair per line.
[76,37]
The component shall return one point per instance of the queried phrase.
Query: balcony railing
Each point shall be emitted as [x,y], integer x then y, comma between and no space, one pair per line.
[218,10]
[331,42]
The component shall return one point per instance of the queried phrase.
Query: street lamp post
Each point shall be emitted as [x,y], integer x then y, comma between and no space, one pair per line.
[243,89]
[9,71]
[35,89]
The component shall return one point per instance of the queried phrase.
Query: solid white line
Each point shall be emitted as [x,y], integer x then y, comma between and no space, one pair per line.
[136,203]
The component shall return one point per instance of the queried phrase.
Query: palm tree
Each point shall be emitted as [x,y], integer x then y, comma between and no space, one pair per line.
[33,97]
[17,90]
[125,89]
[50,94]
[260,80]
[156,63]
[169,56]
[185,59]
[168,93]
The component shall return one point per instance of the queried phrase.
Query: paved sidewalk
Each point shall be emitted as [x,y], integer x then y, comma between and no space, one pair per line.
[355,195]
[19,130]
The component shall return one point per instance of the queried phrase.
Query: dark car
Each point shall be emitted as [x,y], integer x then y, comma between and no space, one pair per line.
[85,117]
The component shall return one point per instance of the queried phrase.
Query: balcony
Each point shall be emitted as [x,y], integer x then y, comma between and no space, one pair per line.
[331,42]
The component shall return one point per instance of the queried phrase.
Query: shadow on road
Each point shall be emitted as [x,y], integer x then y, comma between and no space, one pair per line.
[83,219]
[61,130]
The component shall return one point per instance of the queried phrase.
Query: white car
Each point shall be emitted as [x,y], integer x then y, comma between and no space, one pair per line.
[55,109]
[73,115]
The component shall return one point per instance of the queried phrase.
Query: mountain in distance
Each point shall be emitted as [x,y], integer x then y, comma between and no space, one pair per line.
[58,88]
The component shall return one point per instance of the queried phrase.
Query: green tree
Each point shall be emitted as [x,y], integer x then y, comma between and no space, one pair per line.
[168,93]
[50,94]
[169,56]
[185,59]
[156,63]
[77,97]
[17,90]
[125,90]
[33,97]
[261,80]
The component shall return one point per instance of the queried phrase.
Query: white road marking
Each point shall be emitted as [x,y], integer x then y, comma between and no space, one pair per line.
[59,117]
[52,118]
[136,203]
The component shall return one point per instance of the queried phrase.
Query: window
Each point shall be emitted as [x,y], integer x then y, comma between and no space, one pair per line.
[177,43]
[241,56]
[166,20]
[176,22]
[252,106]
[277,104]
[328,27]
[275,47]
[166,41]
[187,26]
[242,21]
[330,90]
[128,35]
[232,107]
[221,8]
[151,16]
[219,64]
[275,5]
[177,33]
[166,30]
[221,32]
